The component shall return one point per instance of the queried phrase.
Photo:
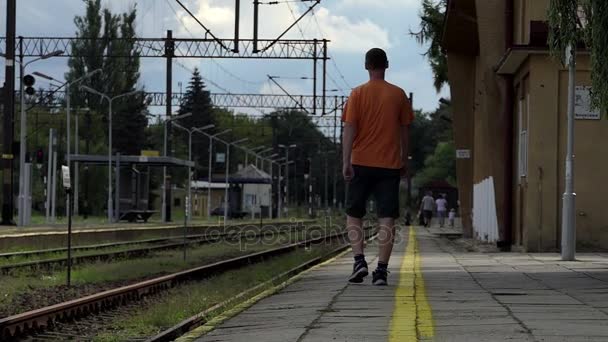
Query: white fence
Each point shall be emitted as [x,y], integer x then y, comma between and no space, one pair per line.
[485,222]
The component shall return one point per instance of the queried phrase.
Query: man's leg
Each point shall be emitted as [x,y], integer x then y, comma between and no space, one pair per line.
[386,237]
[358,192]
[386,192]
[354,227]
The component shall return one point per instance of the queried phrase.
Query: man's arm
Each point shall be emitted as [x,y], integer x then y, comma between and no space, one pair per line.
[405,152]
[350,130]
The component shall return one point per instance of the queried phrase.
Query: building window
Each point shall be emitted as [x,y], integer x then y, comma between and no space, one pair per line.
[523,137]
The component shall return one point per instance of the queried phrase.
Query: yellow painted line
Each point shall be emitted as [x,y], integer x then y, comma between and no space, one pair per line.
[413,317]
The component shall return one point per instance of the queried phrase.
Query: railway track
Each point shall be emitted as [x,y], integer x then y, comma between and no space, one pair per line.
[229,229]
[129,253]
[38,320]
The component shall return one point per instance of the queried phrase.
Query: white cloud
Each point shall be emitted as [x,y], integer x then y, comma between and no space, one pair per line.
[349,36]
[383,4]
[345,34]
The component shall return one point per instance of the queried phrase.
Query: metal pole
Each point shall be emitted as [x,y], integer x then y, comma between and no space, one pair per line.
[9,110]
[256,5]
[164,184]
[237,15]
[314,79]
[568,205]
[189,175]
[54,181]
[22,126]
[209,179]
[169,49]
[324,74]
[69,212]
[287,180]
[76,166]
[49,175]
[271,184]
[188,204]
[117,190]
[110,205]
[226,185]
[68,142]
[280,193]
[326,182]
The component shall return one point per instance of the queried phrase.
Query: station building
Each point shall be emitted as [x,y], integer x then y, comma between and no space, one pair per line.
[509,98]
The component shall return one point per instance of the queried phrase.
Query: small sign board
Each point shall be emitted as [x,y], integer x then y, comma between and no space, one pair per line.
[582,105]
[463,154]
[150,153]
[65,175]
[220,157]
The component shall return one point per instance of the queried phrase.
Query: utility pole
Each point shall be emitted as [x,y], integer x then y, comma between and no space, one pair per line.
[169,52]
[569,198]
[9,110]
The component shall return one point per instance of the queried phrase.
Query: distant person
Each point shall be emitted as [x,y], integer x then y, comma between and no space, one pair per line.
[452,217]
[375,150]
[427,206]
[442,209]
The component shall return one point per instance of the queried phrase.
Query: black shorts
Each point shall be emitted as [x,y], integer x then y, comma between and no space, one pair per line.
[382,183]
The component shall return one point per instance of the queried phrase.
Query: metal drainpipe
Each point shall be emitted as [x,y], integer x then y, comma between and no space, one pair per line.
[510,95]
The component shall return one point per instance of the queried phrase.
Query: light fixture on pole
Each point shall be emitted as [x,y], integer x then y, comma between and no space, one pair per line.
[211,137]
[21,199]
[68,114]
[189,184]
[110,101]
[287,147]
[164,204]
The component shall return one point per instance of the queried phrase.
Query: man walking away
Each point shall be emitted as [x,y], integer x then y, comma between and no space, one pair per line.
[427,206]
[442,209]
[375,151]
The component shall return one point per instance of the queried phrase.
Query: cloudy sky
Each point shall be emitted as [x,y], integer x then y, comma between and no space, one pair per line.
[353,26]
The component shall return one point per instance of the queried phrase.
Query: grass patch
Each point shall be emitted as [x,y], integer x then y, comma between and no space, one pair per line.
[185,301]
[29,289]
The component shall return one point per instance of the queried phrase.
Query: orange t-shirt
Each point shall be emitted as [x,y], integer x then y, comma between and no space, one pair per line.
[378,109]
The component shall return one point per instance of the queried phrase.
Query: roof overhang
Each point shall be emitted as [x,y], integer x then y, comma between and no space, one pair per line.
[517,55]
[460,28]
[131,160]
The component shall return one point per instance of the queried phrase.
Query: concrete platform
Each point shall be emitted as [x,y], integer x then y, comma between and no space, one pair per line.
[437,292]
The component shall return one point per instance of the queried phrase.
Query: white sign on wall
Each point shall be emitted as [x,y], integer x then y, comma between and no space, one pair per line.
[463,154]
[582,105]
[65,175]
[220,157]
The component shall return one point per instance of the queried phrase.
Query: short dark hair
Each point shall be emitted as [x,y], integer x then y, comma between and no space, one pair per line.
[376,59]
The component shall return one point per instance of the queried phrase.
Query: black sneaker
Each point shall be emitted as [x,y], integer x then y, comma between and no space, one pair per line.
[359,272]
[379,277]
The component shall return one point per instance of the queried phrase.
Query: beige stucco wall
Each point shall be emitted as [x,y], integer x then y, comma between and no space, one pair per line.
[491,117]
[525,11]
[461,69]
[548,85]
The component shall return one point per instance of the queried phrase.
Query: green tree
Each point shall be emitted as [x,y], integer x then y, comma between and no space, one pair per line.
[579,22]
[197,101]
[441,165]
[431,31]
[119,74]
